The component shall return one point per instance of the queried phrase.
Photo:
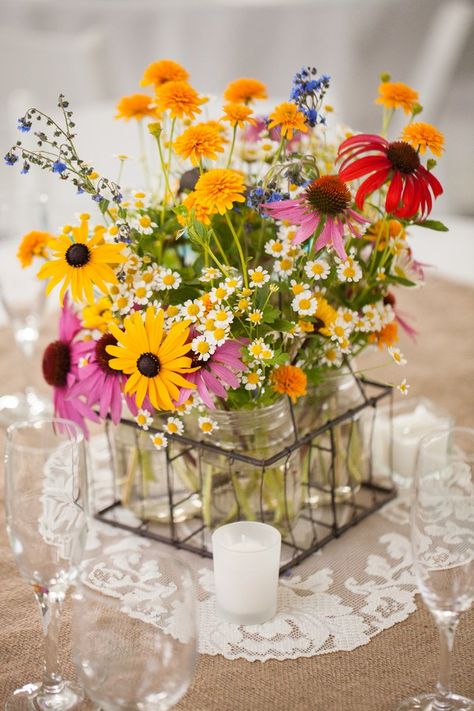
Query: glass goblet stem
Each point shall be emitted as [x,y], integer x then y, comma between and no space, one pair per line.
[447,623]
[50,605]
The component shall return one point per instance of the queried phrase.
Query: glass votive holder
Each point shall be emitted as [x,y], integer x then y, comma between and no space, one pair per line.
[397,433]
[246,566]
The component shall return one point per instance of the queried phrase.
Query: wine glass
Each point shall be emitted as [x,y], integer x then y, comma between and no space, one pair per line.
[134,628]
[23,298]
[442,536]
[45,495]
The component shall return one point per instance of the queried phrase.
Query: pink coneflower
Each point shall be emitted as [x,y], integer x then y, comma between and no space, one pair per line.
[324,205]
[60,366]
[99,383]
[215,374]
[410,184]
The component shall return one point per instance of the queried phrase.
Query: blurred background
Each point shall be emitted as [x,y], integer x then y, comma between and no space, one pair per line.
[95,52]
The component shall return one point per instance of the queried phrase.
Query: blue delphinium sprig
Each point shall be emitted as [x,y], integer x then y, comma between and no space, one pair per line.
[55,152]
[308,92]
[260,195]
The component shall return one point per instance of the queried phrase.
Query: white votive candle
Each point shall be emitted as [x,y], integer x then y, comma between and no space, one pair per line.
[246,564]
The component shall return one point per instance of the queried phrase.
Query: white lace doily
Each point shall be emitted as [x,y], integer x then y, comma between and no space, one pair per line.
[337,600]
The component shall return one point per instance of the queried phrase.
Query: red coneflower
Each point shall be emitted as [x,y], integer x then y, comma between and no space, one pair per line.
[411,185]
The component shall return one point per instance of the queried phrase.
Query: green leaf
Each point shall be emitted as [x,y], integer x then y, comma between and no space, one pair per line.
[401,280]
[433,225]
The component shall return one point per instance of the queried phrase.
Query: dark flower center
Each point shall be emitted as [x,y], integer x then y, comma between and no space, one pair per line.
[78,255]
[328,195]
[149,365]
[389,299]
[57,363]
[196,361]
[318,324]
[101,355]
[403,157]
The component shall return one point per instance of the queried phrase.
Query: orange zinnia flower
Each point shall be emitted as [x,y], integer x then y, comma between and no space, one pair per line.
[158,73]
[387,336]
[179,98]
[238,115]
[136,106]
[219,188]
[201,212]
[241,91]
[289,380]
[422,136]
[289,118]
[200,141]
[396,95]
[32,245]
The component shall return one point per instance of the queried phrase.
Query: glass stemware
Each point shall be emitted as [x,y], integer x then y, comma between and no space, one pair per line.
[134,643]
[442,533]
[45,499]
[23,298]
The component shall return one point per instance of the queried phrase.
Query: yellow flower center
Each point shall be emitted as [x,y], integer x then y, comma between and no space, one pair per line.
[169,279]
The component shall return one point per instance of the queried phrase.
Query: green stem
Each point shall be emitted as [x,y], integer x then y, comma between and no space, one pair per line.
[221,249]
[234,134]
[239,249]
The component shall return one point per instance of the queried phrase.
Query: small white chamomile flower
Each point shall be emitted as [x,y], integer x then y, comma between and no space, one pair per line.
[259,350]
[397,356]
[285,266]
[202,347]
[255,317]
[193,310]
[174,425]
[332,356]
[144,419]
[159,441]
[221,316]
[317,269]
[349,270]
[207,425]
[142,293]
[253,379]
[168,279]
[304,303]
[275,248]
[404,387]
[380,275]
[209,274]
[219,293]
[258,277]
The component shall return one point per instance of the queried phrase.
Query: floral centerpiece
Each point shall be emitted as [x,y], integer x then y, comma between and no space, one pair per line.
[262,251]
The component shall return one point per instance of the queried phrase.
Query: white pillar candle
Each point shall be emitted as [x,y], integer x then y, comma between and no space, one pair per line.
[412,420]
[246,564]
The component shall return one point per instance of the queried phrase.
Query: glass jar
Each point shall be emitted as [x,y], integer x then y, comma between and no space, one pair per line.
[145,475]
[233,489]
[344,462]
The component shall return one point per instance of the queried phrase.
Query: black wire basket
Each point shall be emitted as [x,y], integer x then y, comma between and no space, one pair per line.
[324,513]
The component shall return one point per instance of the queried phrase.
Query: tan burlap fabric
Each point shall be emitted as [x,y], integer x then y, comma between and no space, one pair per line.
[395,664]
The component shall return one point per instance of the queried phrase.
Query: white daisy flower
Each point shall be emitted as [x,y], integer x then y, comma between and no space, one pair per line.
[233,283]
[202,347]
[242,305]
[287,232]
[298,287]
[174,425]
[221,316]
[122,304]
[372,317]
[142,293]
[193,310]
[285,266]
[258,277]
[259,350]
[317,269]
[255,316]
[305,303]
[217,336]
[275,248]
[347,316]
[172,314]
[404,387]
[187,406]
[219,293]
[397,356]
[207,425]
[143,224]
[380,274]
[332,356]
[253,379]
[349,270]
[168,279]
[209,274]
[338,331]
[144,419]
[159,440]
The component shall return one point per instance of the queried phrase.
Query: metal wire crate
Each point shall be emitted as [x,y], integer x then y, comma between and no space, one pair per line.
[315,526]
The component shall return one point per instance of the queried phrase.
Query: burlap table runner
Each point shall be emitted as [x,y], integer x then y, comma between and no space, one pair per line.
[395,664]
